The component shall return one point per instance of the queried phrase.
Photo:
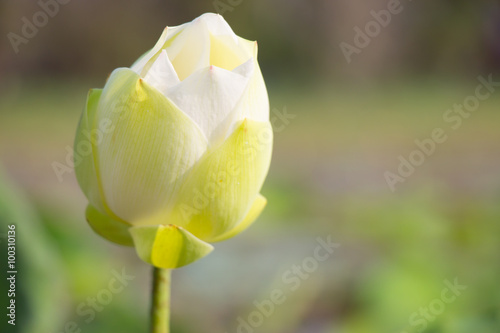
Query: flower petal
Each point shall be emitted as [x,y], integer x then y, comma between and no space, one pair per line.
[162,74]
[190,51]
[226,53]
[219,191]
[84,159]
[257,208]
[217,26]
[143,161]
[107,227]
[168,246]
[169,34]
[210,97]
[255,102]
[225,49]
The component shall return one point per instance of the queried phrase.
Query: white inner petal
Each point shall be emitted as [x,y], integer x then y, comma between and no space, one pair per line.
[162,74]
[191,50]
[217,25]
[167,34]
[210,97]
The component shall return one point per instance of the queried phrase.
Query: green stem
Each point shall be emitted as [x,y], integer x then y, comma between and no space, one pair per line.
[160,305]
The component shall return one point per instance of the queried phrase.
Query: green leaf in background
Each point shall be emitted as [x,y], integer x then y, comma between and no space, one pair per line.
[40,289]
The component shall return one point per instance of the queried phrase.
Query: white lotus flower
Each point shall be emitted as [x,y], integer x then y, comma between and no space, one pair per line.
[187,144]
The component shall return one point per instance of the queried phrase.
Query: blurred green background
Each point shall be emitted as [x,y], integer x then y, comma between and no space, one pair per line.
[348,125]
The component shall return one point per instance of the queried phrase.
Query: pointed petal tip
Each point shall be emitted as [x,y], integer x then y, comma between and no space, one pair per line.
[140,85]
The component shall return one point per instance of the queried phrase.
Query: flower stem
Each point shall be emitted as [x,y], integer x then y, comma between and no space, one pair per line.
[160,304]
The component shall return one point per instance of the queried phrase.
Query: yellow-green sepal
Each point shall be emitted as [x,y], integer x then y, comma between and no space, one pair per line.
[257,208]
[168,246]
[107,227]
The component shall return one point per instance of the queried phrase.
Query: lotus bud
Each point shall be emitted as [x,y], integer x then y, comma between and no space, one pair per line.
[179,146]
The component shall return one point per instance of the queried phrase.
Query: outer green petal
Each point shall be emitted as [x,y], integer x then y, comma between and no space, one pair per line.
[168,246]
[107,227]
[257,208]
[84,161]
[142,162]
[220,190]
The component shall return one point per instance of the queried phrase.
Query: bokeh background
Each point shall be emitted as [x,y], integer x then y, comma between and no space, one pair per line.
[349,124]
